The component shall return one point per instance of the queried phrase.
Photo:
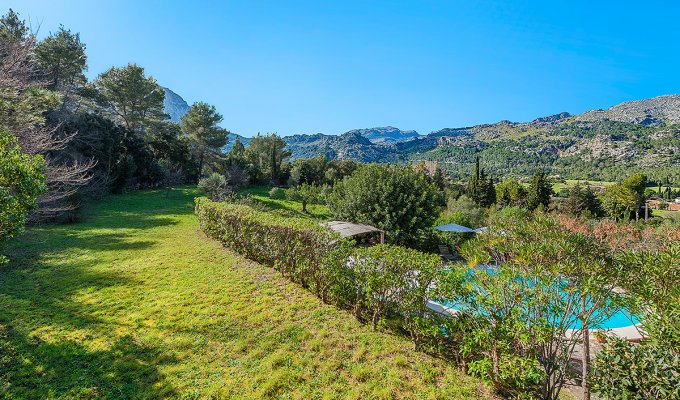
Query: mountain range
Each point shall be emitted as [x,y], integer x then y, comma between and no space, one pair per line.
[602,144]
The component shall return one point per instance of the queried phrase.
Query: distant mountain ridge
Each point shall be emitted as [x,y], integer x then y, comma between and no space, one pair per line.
[175,106]
[597,144]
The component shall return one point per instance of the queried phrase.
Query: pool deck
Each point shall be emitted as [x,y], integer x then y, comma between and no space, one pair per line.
[631,333]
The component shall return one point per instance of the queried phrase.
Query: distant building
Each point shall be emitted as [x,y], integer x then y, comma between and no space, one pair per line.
[664,205]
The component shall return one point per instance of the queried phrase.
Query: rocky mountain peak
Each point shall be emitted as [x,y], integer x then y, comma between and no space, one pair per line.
[657,110]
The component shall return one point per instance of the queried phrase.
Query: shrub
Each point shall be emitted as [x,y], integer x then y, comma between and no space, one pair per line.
[215,187]
[394,278]
[375,282]
[628,371]
[398,200]
[294,246]
[22,179]
[306,194]
[463,211]
[275,193]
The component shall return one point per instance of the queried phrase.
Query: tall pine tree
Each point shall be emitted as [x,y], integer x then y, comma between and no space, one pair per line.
[481,188]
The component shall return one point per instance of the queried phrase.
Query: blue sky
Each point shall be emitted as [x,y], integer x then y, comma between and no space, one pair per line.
[319,66]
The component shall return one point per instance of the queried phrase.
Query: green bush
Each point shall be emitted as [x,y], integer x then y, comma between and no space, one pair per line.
[293,246]
[308,194]
[275,193]
[624,370]
[398,200]
[375,282]
[22,179]
[215,187]
[400,280]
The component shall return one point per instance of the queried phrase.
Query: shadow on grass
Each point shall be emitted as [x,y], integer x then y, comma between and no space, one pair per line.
[31,368]
[56,340]
[45,332]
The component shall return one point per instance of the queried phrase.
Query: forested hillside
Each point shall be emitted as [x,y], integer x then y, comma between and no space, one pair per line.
[597,145]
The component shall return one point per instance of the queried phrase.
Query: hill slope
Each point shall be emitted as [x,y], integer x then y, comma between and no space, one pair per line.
[599,144]
[134,303]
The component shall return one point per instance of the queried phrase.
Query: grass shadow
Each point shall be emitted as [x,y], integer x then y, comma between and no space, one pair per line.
[33,368]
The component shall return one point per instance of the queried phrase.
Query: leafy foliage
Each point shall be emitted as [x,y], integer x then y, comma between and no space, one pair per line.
[623,370]
[539,191]
[511,193]
[397,200]
[131,97]
[62,56]
[200,125]
[215,186]
[266,155]
[22,179]
[306,194]
[481,188]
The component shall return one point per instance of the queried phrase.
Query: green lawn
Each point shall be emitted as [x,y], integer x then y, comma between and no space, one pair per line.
[568,183]
[667,214]
[136,303]
[261,194]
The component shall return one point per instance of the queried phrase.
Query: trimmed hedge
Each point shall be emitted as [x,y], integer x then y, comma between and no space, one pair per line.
[374,282]
[295,247]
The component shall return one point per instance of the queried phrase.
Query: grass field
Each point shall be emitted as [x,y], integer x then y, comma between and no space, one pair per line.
[136,303]
[261,194]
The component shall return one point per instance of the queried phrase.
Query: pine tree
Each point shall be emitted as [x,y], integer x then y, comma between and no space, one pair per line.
[481,188]
[540,190]
[207,139]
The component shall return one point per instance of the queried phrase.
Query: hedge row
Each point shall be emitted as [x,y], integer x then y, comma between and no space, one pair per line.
[374,282]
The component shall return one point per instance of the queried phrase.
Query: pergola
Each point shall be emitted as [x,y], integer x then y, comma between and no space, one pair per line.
[347,229]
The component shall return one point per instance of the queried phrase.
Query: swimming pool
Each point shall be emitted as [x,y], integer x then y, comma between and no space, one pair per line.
[619,319]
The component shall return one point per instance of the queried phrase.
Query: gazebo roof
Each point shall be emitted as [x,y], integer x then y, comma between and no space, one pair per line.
[346,229]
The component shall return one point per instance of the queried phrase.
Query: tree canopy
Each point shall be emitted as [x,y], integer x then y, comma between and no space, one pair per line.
[398,200]
[131,97]
[207,138]
[22,179]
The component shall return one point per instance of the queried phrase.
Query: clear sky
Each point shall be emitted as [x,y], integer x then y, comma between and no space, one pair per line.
[292,67]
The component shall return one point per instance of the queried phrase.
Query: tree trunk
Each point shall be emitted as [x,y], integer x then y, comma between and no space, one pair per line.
[200,165]
[304,206]
[585,358]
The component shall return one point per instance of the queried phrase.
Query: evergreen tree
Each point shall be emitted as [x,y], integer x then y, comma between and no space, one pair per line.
[62,57]
[206,138]
[266,155]
[481,188]
[637,183]
[540,190]
[130,97]
[511,193]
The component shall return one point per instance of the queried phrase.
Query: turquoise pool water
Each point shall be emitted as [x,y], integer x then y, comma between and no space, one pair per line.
[620,319]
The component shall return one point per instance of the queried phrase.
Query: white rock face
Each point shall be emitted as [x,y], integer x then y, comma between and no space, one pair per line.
[657,110]
[174,105]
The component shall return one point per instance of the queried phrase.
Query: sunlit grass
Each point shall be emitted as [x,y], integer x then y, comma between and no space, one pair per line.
[261,194]
[136,303]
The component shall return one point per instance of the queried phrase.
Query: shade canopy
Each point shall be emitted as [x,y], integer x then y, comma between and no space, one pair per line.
[454,228]
[346,229]
[482,229]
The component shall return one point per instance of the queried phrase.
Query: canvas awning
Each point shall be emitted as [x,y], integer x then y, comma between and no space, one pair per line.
[347,229]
